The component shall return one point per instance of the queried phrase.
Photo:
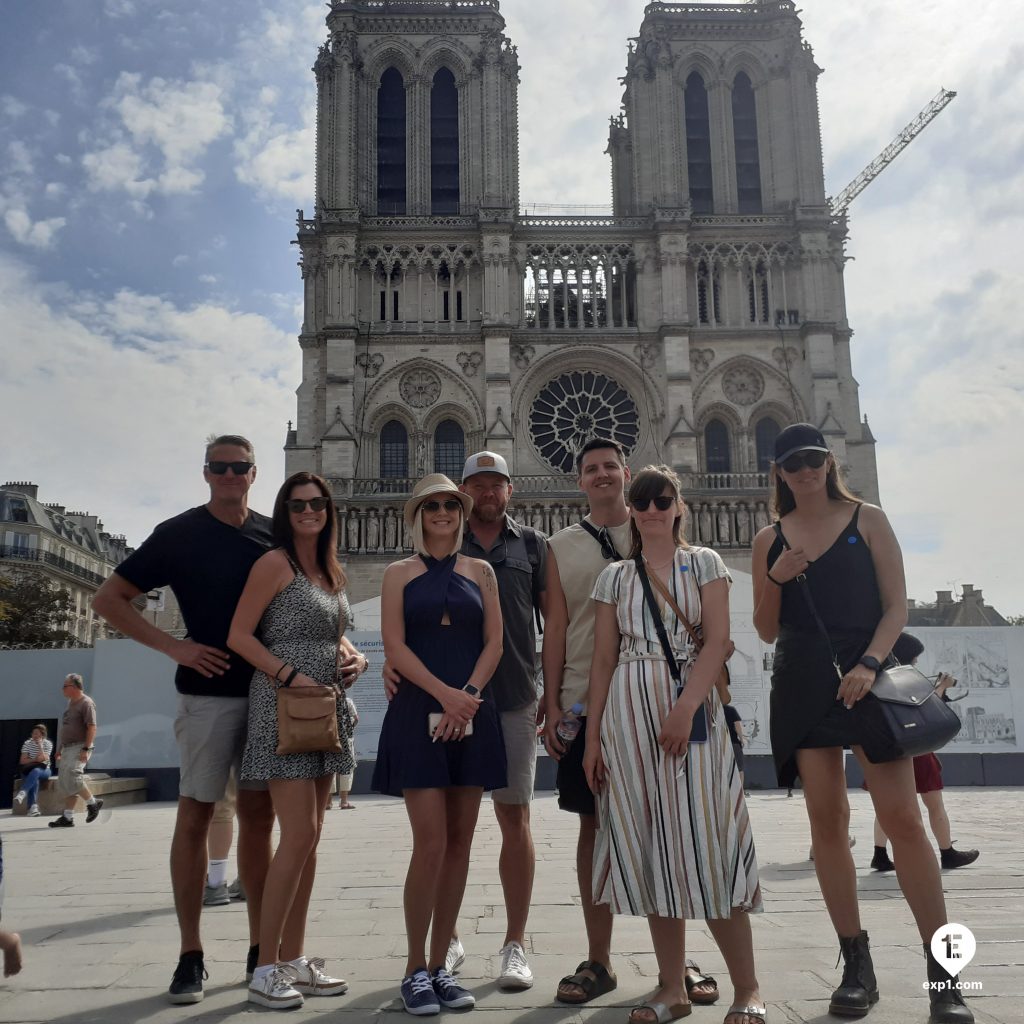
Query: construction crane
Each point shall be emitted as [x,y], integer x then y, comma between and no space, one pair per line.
[893,150]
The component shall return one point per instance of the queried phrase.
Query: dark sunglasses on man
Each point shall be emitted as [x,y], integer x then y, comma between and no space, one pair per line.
[218,468]
[435,506]
[811,459]
[663,502]
[297,505]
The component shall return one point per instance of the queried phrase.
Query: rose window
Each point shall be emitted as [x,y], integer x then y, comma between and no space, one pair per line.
[575,407]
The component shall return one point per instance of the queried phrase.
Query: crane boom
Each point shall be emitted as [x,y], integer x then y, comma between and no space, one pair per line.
[893,150]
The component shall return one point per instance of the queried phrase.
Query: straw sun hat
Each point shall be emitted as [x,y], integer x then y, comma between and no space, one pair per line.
[431,485]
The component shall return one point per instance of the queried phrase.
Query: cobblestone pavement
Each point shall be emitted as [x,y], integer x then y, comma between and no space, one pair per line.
[94,910]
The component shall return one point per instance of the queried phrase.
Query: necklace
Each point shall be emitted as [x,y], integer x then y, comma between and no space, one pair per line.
[664,565]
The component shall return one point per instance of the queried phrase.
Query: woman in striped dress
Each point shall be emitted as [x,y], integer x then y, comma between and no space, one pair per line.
[674,840]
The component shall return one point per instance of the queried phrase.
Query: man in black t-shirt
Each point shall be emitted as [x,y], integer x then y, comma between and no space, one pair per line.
[204,555]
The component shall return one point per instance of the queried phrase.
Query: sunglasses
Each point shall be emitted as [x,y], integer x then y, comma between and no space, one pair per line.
[435,506]
[218,468]
[299,504]
[813,460]
[662,503]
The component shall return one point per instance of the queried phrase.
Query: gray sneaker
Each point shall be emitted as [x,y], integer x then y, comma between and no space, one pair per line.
[235,890]
[216,895]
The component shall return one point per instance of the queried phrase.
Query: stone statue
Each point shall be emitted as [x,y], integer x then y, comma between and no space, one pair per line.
[705,527]
[742,525]
[372,531]
[761,517]
[390,531]
[537,518]
[353,532]
[724,526]
[421,455]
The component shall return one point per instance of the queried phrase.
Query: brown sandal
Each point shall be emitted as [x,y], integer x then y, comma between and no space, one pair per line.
[592,977]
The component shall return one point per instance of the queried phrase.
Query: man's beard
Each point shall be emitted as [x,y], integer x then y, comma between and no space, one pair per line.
[490,513]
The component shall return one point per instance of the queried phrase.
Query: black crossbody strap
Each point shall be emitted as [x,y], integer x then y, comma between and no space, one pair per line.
[809,601]
[659,623]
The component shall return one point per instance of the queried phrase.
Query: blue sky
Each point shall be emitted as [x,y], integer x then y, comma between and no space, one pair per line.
[152,156]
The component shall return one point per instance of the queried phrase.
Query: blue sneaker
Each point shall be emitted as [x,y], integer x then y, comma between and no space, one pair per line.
[449,992]
[418,994]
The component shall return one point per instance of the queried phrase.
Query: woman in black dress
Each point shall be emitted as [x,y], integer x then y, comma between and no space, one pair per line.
[845,553]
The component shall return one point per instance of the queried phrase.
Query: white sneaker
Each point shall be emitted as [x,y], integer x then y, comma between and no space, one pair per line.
[455,957]
[310,979]
[515,971]
[19,797]
[33,811]
[275,990]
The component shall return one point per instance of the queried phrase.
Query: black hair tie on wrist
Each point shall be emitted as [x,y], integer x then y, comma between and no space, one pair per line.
[291,676]
[773,579]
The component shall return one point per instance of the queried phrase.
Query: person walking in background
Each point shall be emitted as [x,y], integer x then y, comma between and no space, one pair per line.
[844,555]
[35,768]
[295,600]
[737,737]
[440,743]
[927,781]
[674,840]
[77,733]
[204,555]
[343,780]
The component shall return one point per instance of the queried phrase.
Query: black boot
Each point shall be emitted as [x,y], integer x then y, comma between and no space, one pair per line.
[858,990]
[948,1006]
[880,861]
[957,858]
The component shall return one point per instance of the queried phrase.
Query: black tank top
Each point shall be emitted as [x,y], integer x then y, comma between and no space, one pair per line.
[843,584]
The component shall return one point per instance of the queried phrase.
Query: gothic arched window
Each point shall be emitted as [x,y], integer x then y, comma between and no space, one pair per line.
[444,144]
[394,451]
[698,144]
[391,143]
[716,447]
[744,129]
[764,438]
[449,449]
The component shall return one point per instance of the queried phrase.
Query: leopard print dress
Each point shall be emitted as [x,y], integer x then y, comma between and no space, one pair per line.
[300,626]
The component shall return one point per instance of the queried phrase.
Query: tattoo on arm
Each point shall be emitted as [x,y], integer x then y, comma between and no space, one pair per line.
[490,582]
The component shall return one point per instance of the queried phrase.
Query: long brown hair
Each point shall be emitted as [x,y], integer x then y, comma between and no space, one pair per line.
[327,539]
[648,484]
[783,501]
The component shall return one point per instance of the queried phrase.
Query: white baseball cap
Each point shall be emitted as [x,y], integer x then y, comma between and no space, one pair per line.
[485,462]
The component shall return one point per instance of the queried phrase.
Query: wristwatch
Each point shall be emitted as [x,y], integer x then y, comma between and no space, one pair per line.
[872,663]
[471,690]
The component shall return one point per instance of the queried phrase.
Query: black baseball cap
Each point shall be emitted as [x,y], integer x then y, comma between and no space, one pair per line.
[798,437]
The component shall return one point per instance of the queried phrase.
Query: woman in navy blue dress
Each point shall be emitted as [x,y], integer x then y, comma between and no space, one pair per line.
[441,626]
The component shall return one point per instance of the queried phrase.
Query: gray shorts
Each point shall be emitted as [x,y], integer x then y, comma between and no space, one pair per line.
[211,737]
[519,728]
[71,772]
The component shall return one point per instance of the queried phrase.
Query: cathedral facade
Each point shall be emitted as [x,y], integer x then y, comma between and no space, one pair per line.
[701,316]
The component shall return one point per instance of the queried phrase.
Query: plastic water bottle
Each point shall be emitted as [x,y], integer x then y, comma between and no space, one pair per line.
[569,727]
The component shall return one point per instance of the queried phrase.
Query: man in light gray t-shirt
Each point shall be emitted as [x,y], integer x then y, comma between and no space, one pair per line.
[77,733]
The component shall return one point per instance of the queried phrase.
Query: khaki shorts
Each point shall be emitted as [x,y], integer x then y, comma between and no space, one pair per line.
[211,737]
[71,772]
[519,728]
[224,810]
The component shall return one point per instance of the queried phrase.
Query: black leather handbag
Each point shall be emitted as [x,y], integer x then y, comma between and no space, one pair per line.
[912,718]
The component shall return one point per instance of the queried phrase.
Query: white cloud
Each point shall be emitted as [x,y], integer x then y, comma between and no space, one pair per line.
[163,129]
[12,107]
[19,158]
[54,190]
[94,380]
[118,8]
[38,234]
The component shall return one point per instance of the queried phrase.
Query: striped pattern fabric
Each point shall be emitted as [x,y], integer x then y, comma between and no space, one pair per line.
[672,845]
[32,749]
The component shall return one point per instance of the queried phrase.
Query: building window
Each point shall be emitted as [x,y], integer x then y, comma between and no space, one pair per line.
[744,129]
[757,294]
[391,143]
[764,438]
[449,449]
[444,144]
[698,144]
[716,447]
[394,451]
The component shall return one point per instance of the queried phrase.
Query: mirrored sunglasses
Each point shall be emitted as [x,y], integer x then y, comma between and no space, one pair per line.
[299,504]
[663,502]
[450,505]
[218,468]
[814,460]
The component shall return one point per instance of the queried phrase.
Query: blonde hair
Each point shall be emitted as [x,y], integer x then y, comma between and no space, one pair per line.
[418,543]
